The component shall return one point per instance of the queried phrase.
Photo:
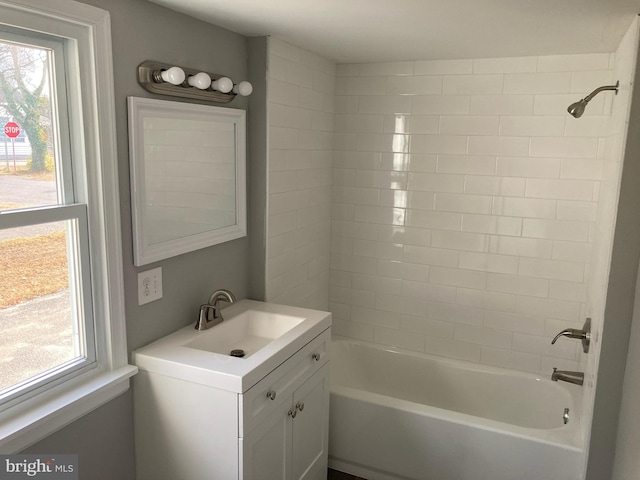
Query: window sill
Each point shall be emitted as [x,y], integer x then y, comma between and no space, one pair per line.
[38,417]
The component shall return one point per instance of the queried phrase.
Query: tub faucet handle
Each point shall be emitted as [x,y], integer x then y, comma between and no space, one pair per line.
[569,332]
[584,334]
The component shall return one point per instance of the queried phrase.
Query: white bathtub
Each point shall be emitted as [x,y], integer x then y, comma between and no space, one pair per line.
[404,415]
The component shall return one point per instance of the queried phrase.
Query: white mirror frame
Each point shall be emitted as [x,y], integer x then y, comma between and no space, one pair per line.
[144,251]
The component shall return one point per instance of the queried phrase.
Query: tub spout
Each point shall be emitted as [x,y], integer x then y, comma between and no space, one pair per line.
[567,376]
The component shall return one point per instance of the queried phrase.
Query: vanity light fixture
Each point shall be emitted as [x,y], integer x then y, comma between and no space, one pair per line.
[167,79]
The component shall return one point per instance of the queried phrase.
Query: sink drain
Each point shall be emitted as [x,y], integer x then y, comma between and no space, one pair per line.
[237,353]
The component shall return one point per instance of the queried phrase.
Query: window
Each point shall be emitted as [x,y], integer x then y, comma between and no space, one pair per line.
[46,312]
[63,350]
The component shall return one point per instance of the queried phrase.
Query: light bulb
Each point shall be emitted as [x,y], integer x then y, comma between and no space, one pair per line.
[199,80]
[173,75]
[243,88]
[223,84]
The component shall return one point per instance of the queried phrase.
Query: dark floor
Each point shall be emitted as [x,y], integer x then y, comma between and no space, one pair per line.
[336,475]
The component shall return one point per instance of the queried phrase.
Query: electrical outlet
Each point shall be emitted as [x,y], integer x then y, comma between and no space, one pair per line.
[149,285]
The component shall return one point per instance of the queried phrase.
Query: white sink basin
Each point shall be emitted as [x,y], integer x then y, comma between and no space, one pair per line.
[248,331]
[268,333]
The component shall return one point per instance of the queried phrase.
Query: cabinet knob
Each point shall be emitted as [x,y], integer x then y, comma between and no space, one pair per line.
[271,395]
[292,413]
[316,357]
[300,406]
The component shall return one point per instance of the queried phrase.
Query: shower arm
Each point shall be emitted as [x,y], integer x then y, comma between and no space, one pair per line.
[602,89]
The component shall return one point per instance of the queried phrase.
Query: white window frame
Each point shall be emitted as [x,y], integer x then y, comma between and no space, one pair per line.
[88,31]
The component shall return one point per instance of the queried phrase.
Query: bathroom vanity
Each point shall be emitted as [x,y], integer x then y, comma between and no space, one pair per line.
[203,414]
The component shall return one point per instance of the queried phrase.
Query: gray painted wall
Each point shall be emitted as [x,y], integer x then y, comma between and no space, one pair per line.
[145,31]
[627,461]
[142,30]
[103,441]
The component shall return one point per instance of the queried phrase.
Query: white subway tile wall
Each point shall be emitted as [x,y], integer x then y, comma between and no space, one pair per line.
[464,203]
[301,88]
[444,206]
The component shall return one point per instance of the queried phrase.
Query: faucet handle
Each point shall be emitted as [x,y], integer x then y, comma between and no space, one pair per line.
[570,333]
[203,317]
[584,335]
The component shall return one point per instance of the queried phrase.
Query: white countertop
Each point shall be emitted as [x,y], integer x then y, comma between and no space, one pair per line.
[169,356]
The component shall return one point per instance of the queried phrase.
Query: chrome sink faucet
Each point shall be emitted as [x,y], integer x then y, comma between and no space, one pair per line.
[210,312]
[567,376]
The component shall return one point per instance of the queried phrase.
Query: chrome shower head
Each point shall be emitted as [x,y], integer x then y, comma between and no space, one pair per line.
[577,109]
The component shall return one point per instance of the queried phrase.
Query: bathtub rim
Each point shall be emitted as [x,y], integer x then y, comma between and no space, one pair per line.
[569,437]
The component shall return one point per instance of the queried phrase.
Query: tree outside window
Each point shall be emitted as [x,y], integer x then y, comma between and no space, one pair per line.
[24,84]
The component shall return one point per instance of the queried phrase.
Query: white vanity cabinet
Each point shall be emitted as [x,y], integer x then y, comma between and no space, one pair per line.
[291,441]
[275,430]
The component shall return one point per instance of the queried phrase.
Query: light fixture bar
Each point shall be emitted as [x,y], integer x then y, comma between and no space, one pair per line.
[149,76]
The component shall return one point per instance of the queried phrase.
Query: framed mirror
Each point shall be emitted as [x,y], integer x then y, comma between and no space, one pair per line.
[188,177]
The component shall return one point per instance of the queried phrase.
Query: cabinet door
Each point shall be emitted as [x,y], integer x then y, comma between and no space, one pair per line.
[310,428]
[266,449]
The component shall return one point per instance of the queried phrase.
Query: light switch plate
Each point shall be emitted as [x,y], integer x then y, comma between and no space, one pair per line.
[149,285]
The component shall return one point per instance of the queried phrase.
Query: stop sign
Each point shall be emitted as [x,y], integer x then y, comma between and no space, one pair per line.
[11,129]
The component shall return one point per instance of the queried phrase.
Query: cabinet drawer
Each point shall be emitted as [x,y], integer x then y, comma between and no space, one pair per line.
[277,387]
